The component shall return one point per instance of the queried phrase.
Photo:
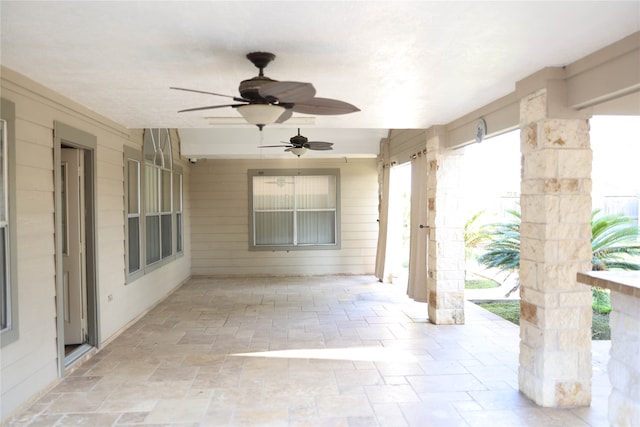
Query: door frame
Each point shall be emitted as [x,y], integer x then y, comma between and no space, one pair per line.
[68,136]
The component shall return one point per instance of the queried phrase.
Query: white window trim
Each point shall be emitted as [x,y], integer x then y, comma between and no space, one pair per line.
[178,189]
[159,169]
[136,156]
[11,332]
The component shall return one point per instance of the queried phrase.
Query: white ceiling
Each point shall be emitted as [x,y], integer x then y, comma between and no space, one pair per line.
[404,64]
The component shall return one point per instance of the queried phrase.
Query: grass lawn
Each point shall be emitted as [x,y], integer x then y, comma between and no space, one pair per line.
[480,284]
[510,310]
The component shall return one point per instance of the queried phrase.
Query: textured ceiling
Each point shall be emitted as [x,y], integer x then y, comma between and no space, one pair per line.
[404,64]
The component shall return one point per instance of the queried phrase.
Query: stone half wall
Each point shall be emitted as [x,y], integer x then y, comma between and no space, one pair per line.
[624,365]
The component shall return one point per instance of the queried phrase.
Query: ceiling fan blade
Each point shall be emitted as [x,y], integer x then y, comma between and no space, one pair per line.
[287,91]
[235,98]
[210,107]
[324,106]
[275,146]
[285,116]
[320,148]
[318,145]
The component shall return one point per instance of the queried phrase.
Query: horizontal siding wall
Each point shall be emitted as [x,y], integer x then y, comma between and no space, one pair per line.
[220,221]
[29,365]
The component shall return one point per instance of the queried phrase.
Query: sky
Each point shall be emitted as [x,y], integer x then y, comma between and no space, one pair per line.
[615,141]
[492,168]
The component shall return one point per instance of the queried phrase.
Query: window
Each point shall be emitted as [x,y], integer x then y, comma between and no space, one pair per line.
[134,211]
[177,197]
[8,268]
[154,210]
[294,210]
[158,195]
[4,230]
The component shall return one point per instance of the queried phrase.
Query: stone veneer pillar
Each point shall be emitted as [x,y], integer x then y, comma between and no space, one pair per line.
[445,263]
[555,316]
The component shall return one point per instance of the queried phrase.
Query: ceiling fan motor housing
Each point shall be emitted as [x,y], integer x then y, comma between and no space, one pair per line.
[298,140]
[249,89]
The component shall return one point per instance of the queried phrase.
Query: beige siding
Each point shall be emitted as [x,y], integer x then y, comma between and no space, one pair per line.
[220,221]
[30,364]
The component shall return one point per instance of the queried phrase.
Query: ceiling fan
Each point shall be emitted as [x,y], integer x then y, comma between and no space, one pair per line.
[298,145]
[264,101]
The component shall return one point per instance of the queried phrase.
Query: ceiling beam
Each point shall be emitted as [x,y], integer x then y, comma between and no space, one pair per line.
[607,74]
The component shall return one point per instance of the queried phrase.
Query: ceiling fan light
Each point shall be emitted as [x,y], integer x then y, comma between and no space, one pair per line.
[261,114]
[298,151]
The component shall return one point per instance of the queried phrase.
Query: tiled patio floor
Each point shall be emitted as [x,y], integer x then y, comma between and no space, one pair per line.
[313,351]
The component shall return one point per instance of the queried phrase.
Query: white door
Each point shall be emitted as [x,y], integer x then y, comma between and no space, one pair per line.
[73,246]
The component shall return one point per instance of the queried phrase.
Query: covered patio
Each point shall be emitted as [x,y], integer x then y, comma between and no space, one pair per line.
[306,351]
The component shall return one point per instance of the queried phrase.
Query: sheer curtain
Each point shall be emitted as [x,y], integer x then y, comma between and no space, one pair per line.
[419,236]
[383,216]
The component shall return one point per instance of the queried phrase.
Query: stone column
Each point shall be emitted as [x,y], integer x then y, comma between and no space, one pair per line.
[555,316]
[445,261]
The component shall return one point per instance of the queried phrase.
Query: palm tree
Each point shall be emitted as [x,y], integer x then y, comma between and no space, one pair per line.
[615,241]
[473,236]
[503,248]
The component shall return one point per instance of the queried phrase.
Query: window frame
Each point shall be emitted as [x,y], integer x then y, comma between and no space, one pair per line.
[251,173]
[159,167]
[131,154]
[10,333]
[165,165]
[178,210]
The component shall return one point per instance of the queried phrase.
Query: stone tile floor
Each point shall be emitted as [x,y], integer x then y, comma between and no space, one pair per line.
[312,351]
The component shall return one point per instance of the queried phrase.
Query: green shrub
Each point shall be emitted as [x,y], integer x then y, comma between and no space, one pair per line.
[601,301]
[600,327]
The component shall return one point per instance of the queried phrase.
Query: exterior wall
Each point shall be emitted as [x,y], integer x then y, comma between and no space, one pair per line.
[29,365]
[220,220]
